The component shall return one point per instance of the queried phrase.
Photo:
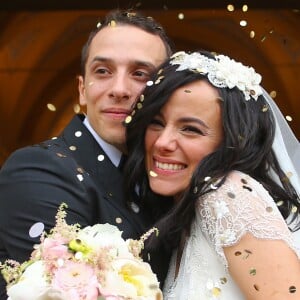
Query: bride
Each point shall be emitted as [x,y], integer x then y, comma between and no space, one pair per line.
[216,164]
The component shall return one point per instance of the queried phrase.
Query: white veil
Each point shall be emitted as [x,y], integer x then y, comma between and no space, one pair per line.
[285,145]
[287,150]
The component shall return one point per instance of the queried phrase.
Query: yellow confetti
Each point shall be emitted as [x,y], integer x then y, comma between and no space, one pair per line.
[230,7]
[128,119]
[252,34]
[216,291]
[252,271]
[245,8]
[273,94]
[76,108]
[265,108]
[152,173]
[51,107]
[294,209]
[180,16]
[113,23]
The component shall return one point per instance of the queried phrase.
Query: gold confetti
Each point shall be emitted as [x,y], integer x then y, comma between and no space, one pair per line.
[139,105]
[216,291]
[187,91]
[230,7]
[273,94]
[195,190]
[60,154]
[128,119]
[98,25]
[223,280]
[160,71]
[263,38]
[72,148]
[118,220]
[244,181]
[289,118]
[252,34]
[294,209]
[245,8]
[269,209]
[142,97]
[112,23]
[265,108]
[252,271]
[51,107]
[237,253]
[80,170]
[91,83]
[292,289]
[256,287]
[279,203]
[231,195]
[207,178]
[152,173]
[149,83]
[76,108]
[180,16]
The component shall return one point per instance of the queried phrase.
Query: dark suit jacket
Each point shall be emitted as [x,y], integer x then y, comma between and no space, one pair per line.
[73,169]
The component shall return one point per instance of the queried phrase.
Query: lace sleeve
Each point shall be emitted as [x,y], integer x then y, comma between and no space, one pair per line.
[241,205]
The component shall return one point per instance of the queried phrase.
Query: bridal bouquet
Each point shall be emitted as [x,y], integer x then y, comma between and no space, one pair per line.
[93,263]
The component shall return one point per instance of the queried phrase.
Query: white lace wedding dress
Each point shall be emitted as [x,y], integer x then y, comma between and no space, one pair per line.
[223,216]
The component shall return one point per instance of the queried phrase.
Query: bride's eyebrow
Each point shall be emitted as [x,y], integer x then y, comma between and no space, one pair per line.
[193,120]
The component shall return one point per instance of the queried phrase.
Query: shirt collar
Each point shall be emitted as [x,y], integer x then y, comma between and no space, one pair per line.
[111,151]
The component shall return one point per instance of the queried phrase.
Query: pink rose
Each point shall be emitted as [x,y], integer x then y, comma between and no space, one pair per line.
[76,281]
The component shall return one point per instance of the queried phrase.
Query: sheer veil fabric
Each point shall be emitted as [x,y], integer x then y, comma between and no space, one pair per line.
[287,150]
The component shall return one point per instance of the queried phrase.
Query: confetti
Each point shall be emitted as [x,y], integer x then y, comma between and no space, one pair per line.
[128,119]
[51,107]
[152,173]
[252,271]
[230,7]
[180,16]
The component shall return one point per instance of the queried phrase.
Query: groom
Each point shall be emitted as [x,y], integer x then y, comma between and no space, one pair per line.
[80,167]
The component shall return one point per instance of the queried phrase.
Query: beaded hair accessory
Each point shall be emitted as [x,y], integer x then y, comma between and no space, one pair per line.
[221,72]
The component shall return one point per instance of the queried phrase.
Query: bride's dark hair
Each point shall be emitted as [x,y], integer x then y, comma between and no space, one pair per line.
[247,147]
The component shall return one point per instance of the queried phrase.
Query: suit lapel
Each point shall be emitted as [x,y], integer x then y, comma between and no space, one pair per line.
[108,178]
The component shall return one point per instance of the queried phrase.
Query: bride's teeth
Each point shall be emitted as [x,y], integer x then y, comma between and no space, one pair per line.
[166,166]
[152,173]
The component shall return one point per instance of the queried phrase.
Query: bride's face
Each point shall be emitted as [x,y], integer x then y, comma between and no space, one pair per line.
[187,129]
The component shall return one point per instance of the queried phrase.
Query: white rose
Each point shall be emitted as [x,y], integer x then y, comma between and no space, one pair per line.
[103,236]
[132,279]
[31,285]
